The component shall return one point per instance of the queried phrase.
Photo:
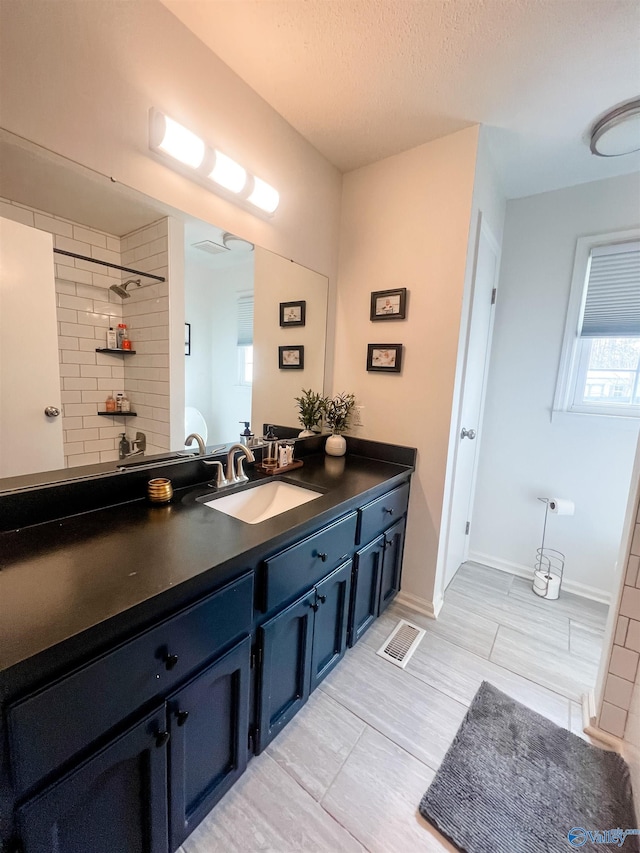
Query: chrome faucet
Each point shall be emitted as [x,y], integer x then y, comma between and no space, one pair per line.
[189,441]
[239,476]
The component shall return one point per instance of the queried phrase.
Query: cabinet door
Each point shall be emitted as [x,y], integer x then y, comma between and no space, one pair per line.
[115,802]
[391,564]
[330,623]
[366,588]
[285,644]
[209,725]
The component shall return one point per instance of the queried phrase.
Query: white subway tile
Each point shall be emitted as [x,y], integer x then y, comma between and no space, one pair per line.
[90,344]
[66,315]
[67,273]
[78,357]
[89,290]
[70,397]
[106,384]
[81,434]
[84,459]
[88,235]
[106,308]
[110,432]
[95,396]
[77,409]
[72,423]
[16,214]
[624,662]
[113,244]
[53,226]
[94,420]
[103,278]
[76,330]
[67,370]
[99,444]
[635,542]
[89,318]
[162,415]
[73,448]
[80,247]
[95,370]
[117,371]
[87,383]
[109,455]
[67,343]
[613,719]
[66,287]
[79,303]
[105,254]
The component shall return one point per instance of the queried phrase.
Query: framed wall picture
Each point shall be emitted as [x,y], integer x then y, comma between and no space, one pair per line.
[187,338]
[384,358]
[389,304]
[293,313]
[291,358]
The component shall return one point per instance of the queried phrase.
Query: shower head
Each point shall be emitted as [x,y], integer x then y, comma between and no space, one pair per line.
[121,289]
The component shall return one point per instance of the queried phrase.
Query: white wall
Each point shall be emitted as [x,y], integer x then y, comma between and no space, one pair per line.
[79,78]
[405,223]
[211,371]
[524,454]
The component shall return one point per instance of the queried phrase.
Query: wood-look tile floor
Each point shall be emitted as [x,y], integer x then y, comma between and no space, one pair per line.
[348,772]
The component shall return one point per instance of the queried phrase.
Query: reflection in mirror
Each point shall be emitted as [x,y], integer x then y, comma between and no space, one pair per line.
[56,204]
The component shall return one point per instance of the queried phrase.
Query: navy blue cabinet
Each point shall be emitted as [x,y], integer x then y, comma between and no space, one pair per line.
[208,720]
[285,646]
[330,623]
[115,802]
[298,647]
[366,588]
[391,564]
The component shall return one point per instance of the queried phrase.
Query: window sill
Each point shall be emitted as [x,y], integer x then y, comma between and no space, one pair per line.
[628,423]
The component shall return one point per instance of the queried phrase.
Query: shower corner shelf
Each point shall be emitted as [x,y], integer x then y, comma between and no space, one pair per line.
[119,414]
[113,351]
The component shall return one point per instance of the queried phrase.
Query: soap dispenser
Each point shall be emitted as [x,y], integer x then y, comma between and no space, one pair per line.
[246,437]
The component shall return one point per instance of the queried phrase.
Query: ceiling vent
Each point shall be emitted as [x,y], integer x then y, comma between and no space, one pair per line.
[210,247]
[401,644]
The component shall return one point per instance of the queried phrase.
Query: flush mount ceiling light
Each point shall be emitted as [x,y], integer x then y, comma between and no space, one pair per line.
[208,165]
[236,244]
[617,132]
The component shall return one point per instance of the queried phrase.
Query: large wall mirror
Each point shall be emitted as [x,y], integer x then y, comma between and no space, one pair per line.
[221,331]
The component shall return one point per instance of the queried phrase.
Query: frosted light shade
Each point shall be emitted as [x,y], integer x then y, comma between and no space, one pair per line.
[264,196]
[228,174]
[180,143]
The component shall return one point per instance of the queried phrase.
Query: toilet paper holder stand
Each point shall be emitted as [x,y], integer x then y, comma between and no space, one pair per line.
[549,561]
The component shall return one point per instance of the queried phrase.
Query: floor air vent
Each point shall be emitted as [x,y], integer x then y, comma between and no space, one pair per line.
[401,643]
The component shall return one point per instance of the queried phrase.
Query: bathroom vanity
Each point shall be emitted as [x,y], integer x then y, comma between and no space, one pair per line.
[146,653]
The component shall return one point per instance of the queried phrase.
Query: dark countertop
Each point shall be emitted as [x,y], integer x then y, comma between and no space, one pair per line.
[81,578]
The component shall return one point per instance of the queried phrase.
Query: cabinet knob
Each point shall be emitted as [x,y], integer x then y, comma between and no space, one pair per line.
[170,661]
[312,605]
[323,557]
[181,717]
[162,738]
[322,599]
[389,511]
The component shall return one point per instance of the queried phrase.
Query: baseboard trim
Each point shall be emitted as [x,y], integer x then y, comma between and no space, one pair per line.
[521,571]
[421,605]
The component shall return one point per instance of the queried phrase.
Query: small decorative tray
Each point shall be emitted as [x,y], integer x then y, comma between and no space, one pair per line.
[267,469]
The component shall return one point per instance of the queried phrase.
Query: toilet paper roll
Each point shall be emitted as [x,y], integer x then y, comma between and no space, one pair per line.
[546,585]
[562,506]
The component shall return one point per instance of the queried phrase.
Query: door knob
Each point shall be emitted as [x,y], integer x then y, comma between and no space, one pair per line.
[468,433]
[51,411]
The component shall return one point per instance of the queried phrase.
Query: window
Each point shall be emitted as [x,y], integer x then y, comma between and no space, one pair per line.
[600,366]
[245,340]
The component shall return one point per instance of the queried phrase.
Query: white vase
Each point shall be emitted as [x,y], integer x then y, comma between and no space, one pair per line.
[336,445]
[306,433]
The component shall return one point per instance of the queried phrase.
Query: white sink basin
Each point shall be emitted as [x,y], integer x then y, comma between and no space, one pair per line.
[263,502]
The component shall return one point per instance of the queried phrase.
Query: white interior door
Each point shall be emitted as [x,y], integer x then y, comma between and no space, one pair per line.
[474,386]
[29,373]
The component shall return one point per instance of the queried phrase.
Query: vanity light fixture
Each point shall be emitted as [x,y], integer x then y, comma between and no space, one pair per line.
[209,165]
[618,131]
[171,138]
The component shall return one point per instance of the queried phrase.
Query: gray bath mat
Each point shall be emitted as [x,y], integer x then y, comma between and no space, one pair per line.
[514,781]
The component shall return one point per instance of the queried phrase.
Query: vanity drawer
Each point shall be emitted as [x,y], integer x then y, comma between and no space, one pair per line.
[49,727]
[295,570]
[381,513]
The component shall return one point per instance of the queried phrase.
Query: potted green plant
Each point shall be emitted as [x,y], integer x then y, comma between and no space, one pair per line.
[311,406]
[336,416]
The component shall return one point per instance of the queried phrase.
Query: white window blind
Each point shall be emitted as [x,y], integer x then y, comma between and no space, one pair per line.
[612,303]
[245,321]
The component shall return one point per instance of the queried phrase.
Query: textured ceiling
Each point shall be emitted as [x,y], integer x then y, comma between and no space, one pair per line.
[364,79]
